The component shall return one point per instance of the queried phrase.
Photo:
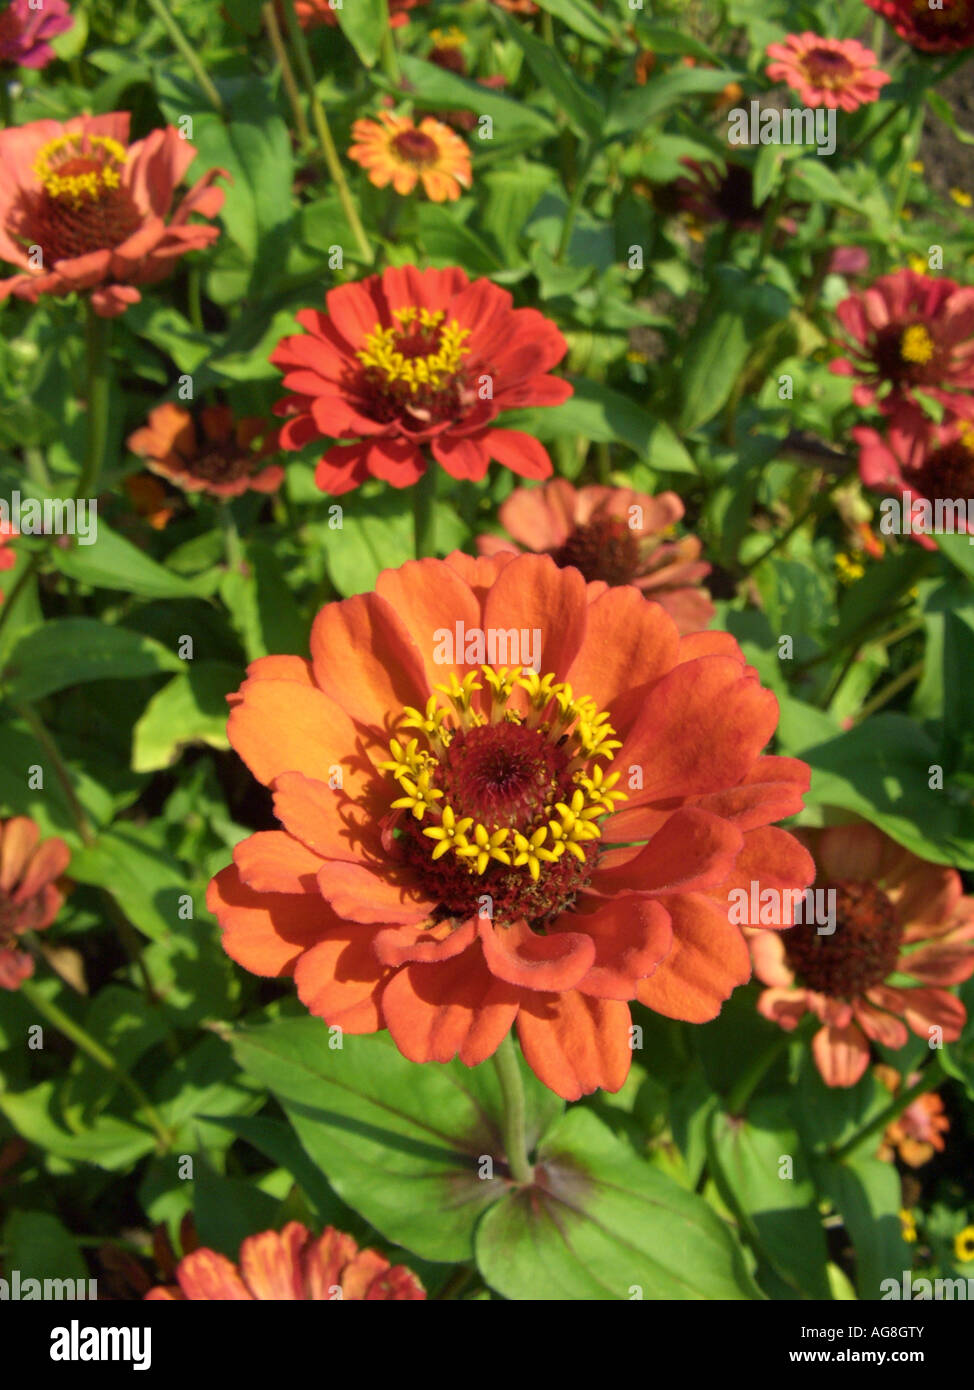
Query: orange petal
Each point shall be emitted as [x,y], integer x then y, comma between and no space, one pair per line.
[707,961]
[271,1263]
[631,936]
[365,659]
[205,1275]
[340,979]
[327,819]
[575,1044]
[533,593]
[265,932]
[363,894]
[628,643]
[399,945]
[279,726]
[692,851]
[428,597]
[453,1008]
[521,957]
[272,862]
[841,1055]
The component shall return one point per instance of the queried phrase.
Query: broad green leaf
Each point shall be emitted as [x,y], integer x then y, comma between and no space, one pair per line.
[115,563]
[764,1175]
[583,17]
[108,1143]
[866,1192]
[402,1144]
[38,1246]
[634,109]
[191,708]
[445,91]
[70,651]
[581,105]
[602,1223]
[130,864]
[363,22]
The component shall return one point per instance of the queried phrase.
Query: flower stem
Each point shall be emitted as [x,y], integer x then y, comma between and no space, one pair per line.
[424,512]
[748,1083]
[931,1077]
[269,15]
[97,342]
[30,717]
[568,226]
[389,56]
[231,538]
[323,130]
[162,12]
[512,1091]
[58,1019]
[905,678]
[771,220]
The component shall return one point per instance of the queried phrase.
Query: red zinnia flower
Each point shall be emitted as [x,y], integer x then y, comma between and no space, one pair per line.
[708,195]
[81,209]
[223,462]
[312,14]
[894,914]
[415,358]
[918,1133]
[827,72]
[7,558]
[453,858]
[292,1265]
[25,31]
[934,465]
[911,333]
[613,534]
[29,897]
[944,28]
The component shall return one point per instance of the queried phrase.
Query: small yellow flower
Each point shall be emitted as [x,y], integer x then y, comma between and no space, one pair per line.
[848,569]
[962,199]
[908,1225]
[918,264]
[964,1245]
[633,355]
[916,166]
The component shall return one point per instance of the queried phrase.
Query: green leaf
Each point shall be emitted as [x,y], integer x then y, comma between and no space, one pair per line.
[402,1144]
[191,708]
[583,17]
[941,107]
[633,110]
[108,1143]
[604,416]
[130,864]
[448,242]
[363,22]
[39,1247]
[445,91]
[70,651]
[367,543]
[778,1211]
[721,342]
[115,563]
[602,1223]
[866,1192]
[581,105]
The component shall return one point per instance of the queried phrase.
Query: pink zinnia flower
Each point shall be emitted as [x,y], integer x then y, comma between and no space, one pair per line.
[82,209]
[827,72]
[613,534]
[29,896]
[934,465]
[25,32]
[895,915]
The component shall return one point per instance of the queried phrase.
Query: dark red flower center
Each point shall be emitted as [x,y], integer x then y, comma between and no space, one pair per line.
[82,204]
[949,472]
[413,371]
[604,548]
[908,353]
[224,463]
[826,67]
[416,148]
[860,953]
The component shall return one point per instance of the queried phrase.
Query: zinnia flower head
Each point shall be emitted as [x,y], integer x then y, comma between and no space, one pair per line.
[613,534]
[313,14]
[918,1133]
[394,150]
[964,1245]
[415,359]
[82,209]
[475,834]
[29,896]
[945,27]
[7,557]
[26,31]
[894,914]
[827,72]
[709,195]
[292,1265]
[933,465]
[910,333]
[221,456]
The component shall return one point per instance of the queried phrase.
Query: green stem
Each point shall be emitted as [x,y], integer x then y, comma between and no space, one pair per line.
[820,265]
[771,220]
[233,549]
[323,130]
[575,203]
[195,304]
[276,38]
[424,511]
[182,43]
[58,1019]
[910,146]
[512,1091]
[6,105]
[98,363]
[932,1076]
[38,729]
[748,1083]
[905,678]
[27,573]
[389,57]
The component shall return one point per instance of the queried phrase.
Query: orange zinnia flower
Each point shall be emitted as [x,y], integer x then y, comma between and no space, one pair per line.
[292,1266]
[223,462]
[894,914]
[313,14]
[614,534]
[394,150]
[827,72]
[918,1133]
[82,209]
[29,896]
[453,857]
[415,359]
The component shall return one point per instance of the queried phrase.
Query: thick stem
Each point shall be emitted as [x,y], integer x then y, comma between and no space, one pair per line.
[905,678]
[97,342]
[58,1019]
[932,1076]
[424,512]
[162,12]
[269,15]
[323,130]
[512,1092]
